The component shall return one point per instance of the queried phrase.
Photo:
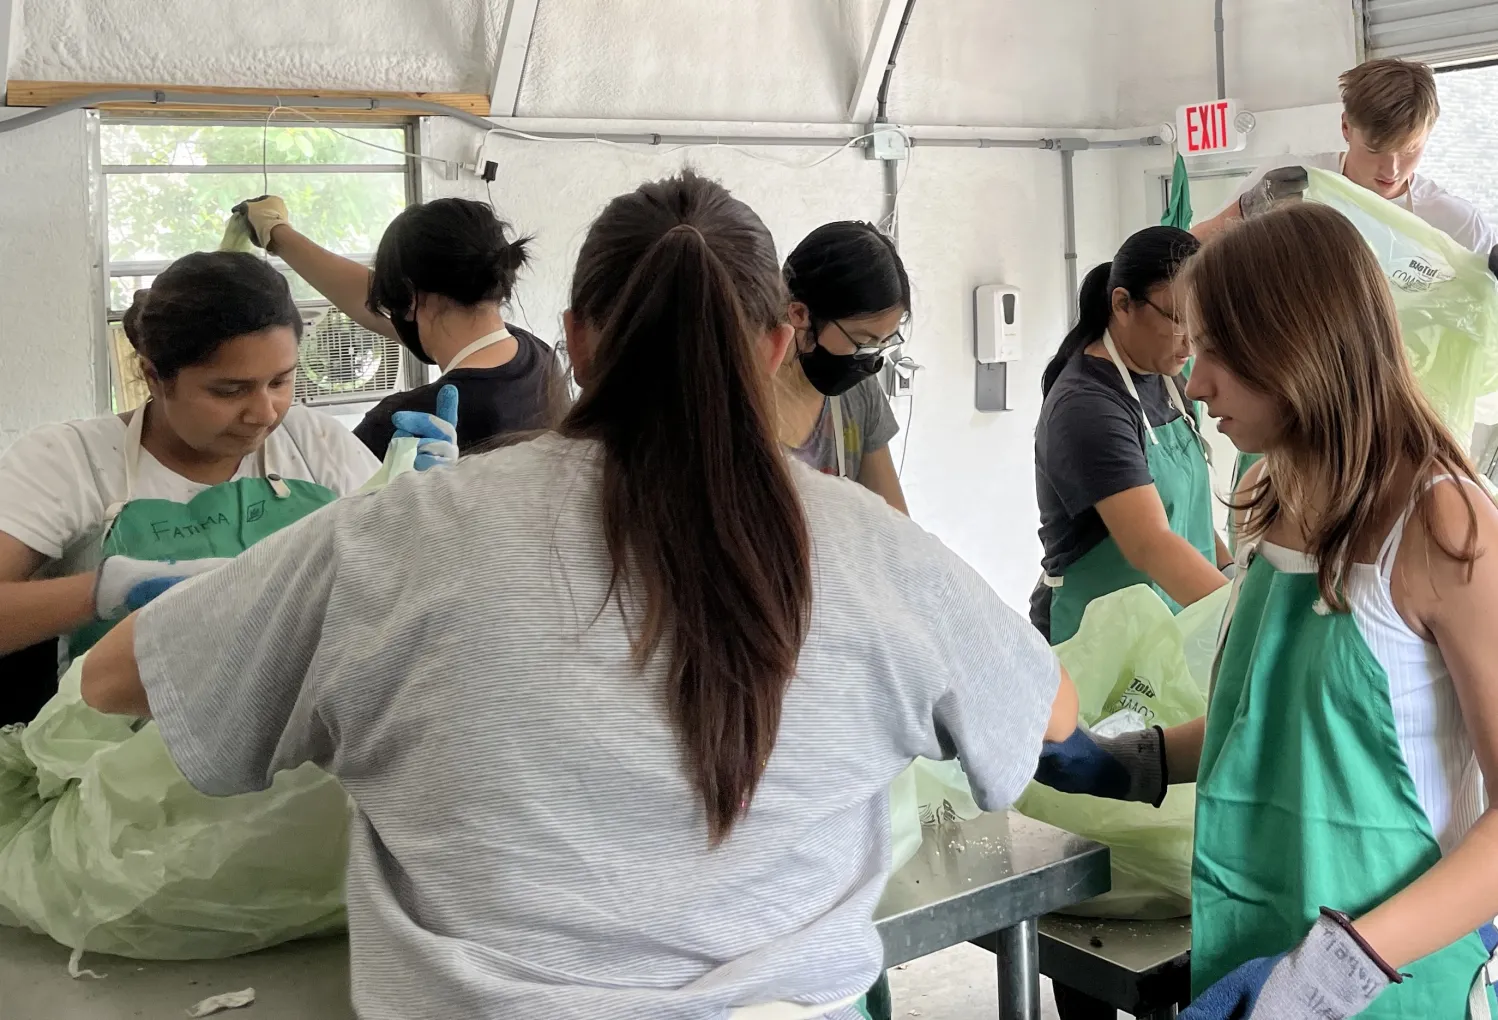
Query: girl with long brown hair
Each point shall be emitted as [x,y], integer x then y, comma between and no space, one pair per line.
[1344,846]
[617,706]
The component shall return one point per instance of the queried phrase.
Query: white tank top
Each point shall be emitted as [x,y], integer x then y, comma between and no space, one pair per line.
[1427,717]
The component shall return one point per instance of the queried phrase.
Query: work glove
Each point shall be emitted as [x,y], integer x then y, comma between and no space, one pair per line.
[1130,766]
[1282,184]
[438,433]
[1331,975]
[264,214]
[123,584]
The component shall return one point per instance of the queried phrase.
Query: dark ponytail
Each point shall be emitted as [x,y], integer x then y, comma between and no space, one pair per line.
[700,513]
[201,302]
[1147,259]
[450,246]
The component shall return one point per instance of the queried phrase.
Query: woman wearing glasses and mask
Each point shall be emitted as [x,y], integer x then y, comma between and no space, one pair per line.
[849,296]
[1120,468]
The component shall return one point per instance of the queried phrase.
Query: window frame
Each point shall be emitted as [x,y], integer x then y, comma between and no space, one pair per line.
[106,366]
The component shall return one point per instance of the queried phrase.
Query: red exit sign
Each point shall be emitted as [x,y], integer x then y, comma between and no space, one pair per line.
[1203,128]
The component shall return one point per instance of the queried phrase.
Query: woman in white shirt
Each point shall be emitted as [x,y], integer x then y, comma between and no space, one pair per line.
[618,706]
[218,457]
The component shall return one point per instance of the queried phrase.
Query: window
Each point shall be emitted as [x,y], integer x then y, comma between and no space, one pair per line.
[169,188]
[1459,155]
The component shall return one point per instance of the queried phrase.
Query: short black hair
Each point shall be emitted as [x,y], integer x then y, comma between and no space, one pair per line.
[846,270]
[451,246]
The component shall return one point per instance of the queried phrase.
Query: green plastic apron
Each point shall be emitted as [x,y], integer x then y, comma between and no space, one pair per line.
[223,520]
[1177,456]
[1303,798]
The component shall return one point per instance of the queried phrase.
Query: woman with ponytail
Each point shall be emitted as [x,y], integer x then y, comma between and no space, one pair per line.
[1120,468]
[618,706]
[443,273]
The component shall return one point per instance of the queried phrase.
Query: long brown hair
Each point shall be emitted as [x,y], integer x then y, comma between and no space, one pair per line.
[1294,304]
[699,508]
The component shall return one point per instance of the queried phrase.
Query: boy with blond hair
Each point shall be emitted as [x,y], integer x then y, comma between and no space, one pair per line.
[1388,110]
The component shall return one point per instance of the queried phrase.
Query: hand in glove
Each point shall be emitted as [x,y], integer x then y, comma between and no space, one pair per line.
[1331,975]
[264,214]
[438,433]
[1126,767]
[122,584]
[1283,184]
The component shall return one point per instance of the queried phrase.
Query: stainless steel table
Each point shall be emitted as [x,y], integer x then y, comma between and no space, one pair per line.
[1101,966]
[992,876]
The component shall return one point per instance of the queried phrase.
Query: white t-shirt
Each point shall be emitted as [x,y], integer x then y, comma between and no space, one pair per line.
[1424,197]
[528,841]
[57,480]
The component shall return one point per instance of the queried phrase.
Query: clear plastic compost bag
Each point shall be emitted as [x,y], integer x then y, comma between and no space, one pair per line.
[1136,665]
[106,847]
[1446,297]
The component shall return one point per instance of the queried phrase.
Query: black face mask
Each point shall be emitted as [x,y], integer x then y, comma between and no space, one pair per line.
[410,336]
[836,374]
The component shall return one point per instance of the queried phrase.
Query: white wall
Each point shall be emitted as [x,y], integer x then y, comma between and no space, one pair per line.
[1080,63]
[967,217]
[48,276]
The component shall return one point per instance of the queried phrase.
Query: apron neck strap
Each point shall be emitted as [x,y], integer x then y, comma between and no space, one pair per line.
[1128,381]
[836,404]
[487,340]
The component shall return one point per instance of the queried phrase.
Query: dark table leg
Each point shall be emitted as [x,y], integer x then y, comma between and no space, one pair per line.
[1018,954]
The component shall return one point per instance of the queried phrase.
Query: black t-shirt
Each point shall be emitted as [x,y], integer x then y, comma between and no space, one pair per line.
[1089,445]
[512,397]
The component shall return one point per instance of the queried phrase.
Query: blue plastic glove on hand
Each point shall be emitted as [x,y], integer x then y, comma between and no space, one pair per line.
[1329,976]
[1126,767]
[438,433]
[122,584]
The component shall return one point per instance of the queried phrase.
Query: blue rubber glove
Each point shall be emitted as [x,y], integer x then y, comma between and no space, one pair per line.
[438,432]
[1329,976]
[122,584]
[1127,767]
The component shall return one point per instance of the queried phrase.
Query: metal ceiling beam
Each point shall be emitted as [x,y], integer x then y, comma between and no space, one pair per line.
[514,46]
[886,28]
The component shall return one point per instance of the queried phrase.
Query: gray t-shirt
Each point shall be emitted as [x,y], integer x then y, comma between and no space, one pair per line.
[868,425]
[527,842]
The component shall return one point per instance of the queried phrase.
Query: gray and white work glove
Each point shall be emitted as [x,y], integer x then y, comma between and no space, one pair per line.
[1333,974]
[1282,184]
[122,584]
[1130,766]
[264,215]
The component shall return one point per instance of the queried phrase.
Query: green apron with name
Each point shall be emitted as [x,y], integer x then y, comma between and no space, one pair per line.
[1177,459]
[1303,798]
[223,520]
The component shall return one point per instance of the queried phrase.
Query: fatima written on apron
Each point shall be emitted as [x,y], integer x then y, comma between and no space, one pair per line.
[1304,799]
[1178,457]
[222,520]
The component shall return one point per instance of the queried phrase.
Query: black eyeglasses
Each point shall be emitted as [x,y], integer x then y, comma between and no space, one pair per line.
[874,350]
[1178,327]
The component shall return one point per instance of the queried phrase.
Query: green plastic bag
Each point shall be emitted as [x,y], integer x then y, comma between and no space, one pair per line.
[1446,297]
[1135,665]
[927,793]
[106,847]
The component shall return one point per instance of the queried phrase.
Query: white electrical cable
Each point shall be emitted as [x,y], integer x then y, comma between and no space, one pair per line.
[355,138]
[717,143]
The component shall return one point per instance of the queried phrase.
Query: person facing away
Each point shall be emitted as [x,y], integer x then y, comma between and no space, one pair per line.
[1389,108]
[442,275]
[1344,839]
[849,296]
[178,478]
[1121,472]
[614,747]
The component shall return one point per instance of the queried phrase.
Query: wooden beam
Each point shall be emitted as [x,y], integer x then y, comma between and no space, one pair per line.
[49,93]
[514,47]
[886,27]
[10,18]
